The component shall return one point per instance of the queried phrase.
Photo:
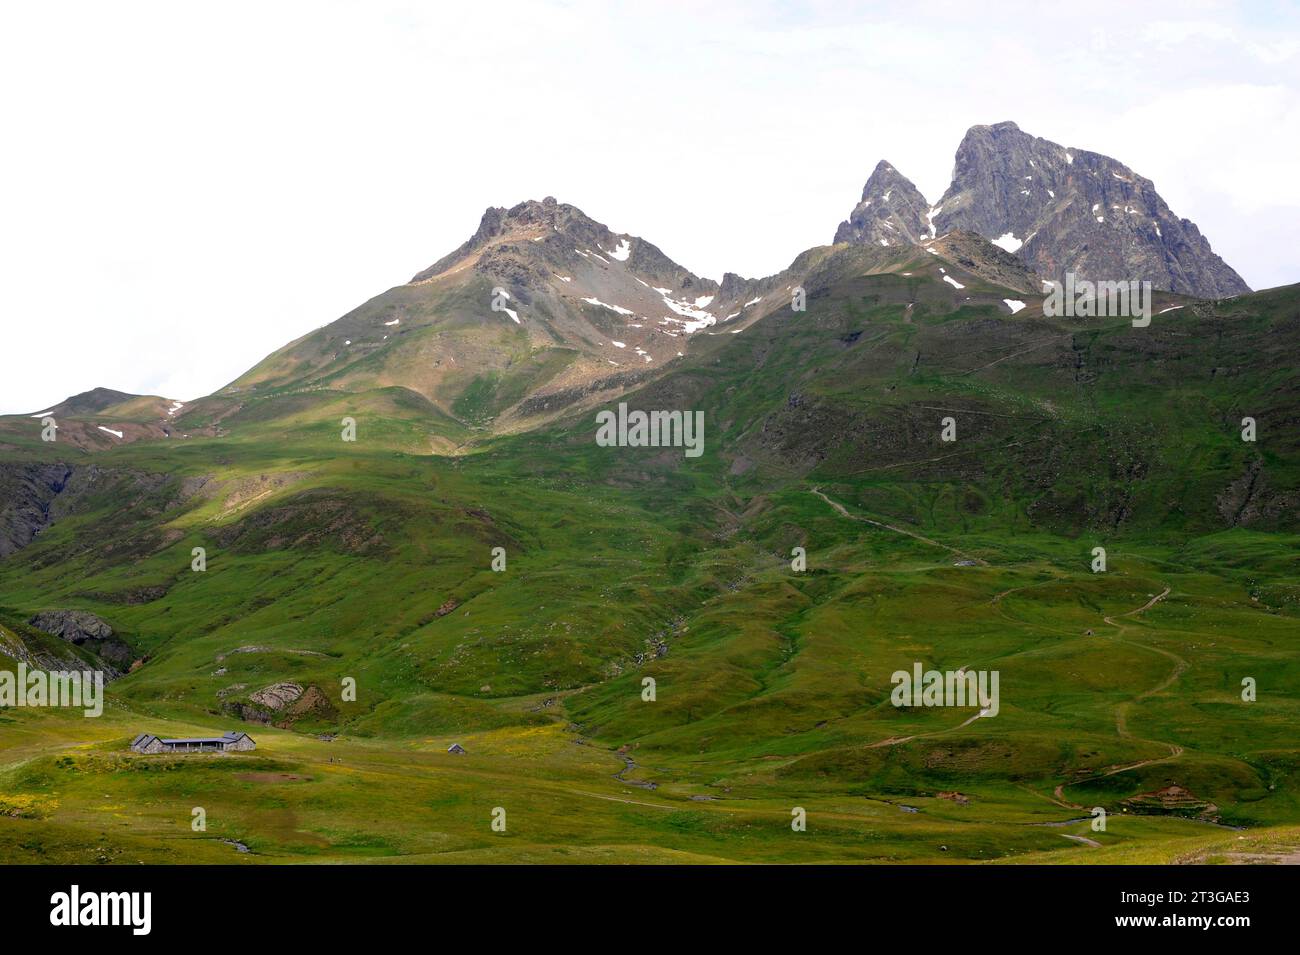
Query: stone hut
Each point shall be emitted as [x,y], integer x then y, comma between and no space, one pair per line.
[148,743]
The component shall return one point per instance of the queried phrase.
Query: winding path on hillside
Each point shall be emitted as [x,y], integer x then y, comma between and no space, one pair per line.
[1121,711]
[843,512]
[1036,345]
[896,740]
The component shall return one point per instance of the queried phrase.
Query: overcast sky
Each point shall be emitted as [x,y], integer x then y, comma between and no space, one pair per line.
[187,187]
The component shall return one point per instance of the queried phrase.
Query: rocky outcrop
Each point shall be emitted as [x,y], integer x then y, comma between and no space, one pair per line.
[40,657]
[1252,500]
[28,492]
[276,696]
[280,704]
[87,631]
[313,704]
[34,496]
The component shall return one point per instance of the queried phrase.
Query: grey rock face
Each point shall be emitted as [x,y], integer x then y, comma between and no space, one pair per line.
[85,630]
[1070,210]
[29,492]
[42,657]
[891,211]
[34,496]
[1057,209]
[277,696]
[75,626]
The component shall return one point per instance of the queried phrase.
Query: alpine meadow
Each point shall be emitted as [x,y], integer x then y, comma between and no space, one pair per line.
[970,537]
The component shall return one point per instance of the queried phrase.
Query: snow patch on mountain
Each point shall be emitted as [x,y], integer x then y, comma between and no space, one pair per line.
[1008,241]
[698,317]
[613,308]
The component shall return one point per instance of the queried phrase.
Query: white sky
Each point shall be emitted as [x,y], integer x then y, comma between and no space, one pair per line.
[186,187]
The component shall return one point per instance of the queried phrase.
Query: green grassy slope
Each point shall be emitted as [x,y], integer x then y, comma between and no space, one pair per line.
[372,561]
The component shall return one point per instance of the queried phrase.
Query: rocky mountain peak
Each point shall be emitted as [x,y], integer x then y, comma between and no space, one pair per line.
[892,211]
[1059,209]
[529,243]
[1063,209]
[530,220]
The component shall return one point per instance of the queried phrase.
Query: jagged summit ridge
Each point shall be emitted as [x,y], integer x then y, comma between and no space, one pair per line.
[1076,210]
[557,233]
[1059,209]
[891,211]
